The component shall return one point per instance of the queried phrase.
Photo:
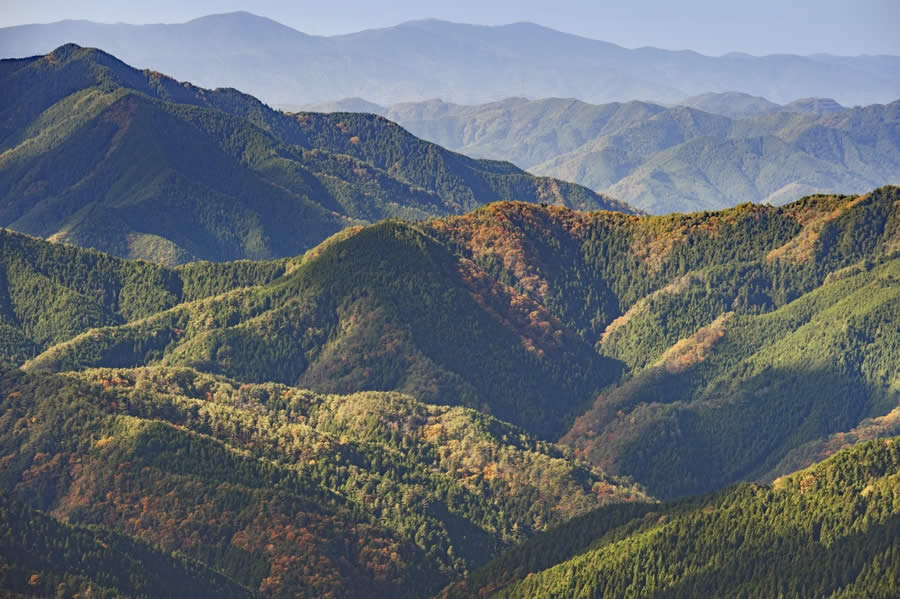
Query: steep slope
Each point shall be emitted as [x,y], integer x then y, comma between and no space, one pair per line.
[387,308]
[167,171]
[829,531]
[721,321]
[700,157]
[50,292]
[688,333]
[816,366]
[590,269]
[458,62]
[43,557]
[286,492]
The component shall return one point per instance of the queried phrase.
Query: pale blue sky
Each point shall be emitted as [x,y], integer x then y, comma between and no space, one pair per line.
[708,26]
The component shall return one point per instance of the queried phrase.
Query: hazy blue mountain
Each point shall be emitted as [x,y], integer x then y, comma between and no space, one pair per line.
[526,132]
[731,104]
[679,158]
[740,105]
[814,105]
[458,62]
[770,158]
[98,154]
[342,105]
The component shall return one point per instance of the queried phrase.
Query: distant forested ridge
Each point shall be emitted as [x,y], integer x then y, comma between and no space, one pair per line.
[98,154]
[705,153]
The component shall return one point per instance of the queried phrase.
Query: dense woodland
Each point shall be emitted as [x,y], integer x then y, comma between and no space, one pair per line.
[830,531]
[672,355]
[98,154]
[282,490]
[697,155]
[594,398]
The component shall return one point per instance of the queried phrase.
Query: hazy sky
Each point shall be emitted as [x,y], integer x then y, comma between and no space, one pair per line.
[709,26]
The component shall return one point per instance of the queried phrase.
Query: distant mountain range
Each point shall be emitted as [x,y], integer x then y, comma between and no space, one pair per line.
[458,62]
[730,104]
[710,152]
[98,154]
[350,365]
[738,105]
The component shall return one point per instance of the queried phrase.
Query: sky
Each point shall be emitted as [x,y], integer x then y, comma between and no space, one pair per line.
[714,27]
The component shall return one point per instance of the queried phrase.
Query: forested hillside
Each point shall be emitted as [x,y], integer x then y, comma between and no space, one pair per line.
[50,292]
[712,152]
[674,328]
[385,309]
[41,556]
[719,320]
[830,531]
[378,416]
[134,163]
[281,489]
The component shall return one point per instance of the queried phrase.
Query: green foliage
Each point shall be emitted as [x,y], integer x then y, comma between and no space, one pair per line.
[814,367]
[50,293]
[829,531]
[284,490]
[384,309]
[133,163]
[480,311]
[42,557]
[723,346]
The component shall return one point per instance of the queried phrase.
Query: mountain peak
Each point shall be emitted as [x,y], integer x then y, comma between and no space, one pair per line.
[815,106]
[245,23]
[237,15]
[64,52]
[71,51]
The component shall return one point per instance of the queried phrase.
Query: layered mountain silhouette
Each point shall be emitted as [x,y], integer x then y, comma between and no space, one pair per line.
[102,155]
[376,417]
[715,151]
[353,363]
[458,62]
[622,335]
[737,105]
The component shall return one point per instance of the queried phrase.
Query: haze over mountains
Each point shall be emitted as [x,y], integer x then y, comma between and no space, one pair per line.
[457,62]
[737,105]
[710,152]
[353,363]
[102,155]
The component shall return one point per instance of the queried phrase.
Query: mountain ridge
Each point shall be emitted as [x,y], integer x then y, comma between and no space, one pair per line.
[425,372]
[797,516]
[386,71]
[165,170]
[673,158]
